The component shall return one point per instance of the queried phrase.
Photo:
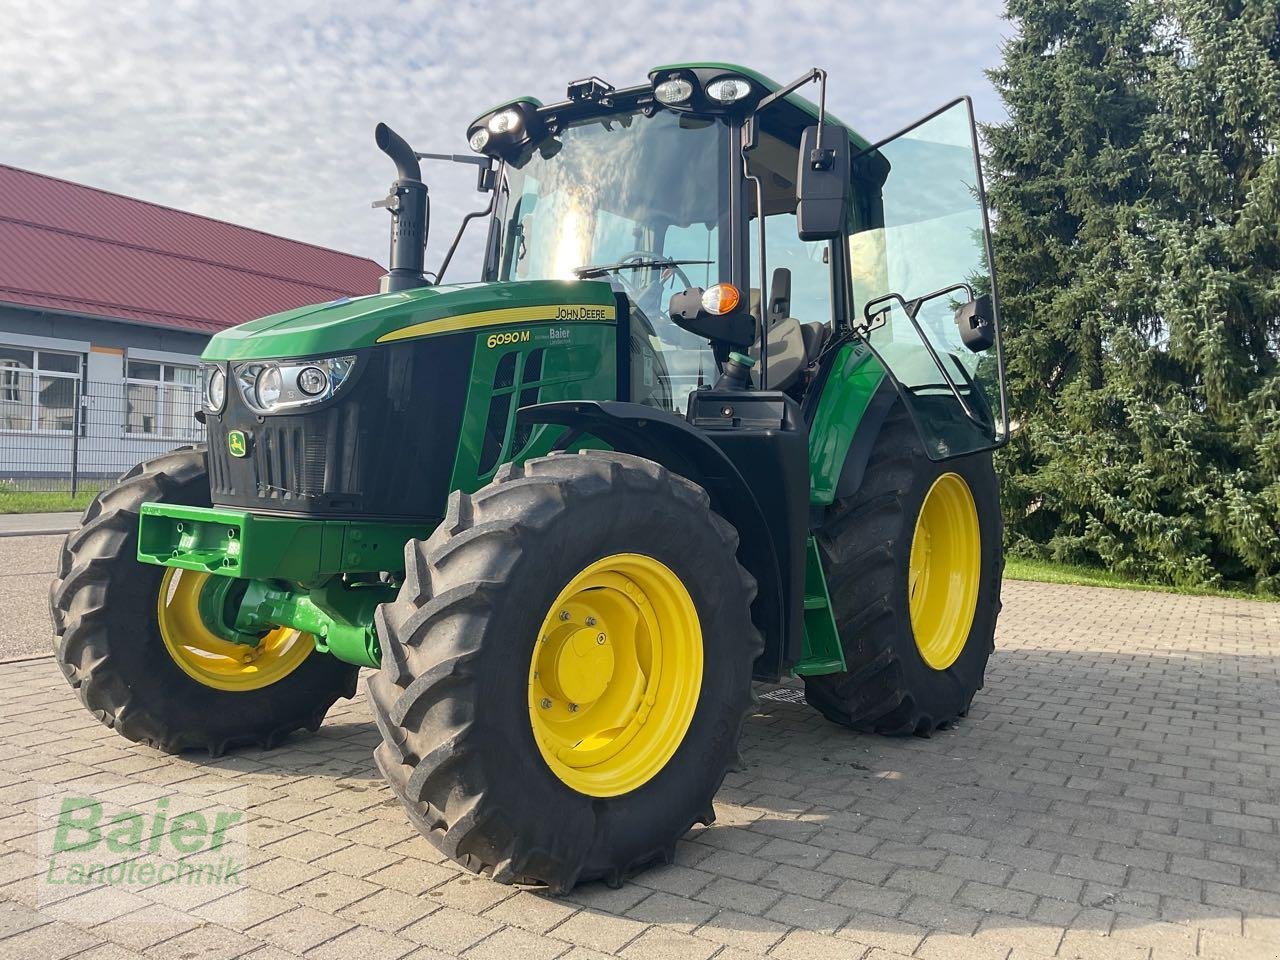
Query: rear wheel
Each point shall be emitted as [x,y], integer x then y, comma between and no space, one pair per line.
[566,670]
[139,646]
[913,562]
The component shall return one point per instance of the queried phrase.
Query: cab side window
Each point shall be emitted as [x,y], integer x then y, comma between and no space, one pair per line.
[809,263]
[774,162]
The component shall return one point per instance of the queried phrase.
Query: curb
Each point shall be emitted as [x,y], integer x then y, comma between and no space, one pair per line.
[39,524]
[38,532]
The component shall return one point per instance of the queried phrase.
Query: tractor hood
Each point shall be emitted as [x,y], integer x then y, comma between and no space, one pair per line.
[352,323]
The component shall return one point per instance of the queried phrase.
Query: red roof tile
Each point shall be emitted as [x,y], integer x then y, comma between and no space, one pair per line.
[65,246]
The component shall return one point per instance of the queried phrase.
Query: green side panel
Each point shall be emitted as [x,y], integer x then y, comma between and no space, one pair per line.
[236,543]
[546,362]
[822,650]
[350,324]
[769,84]
[845,397]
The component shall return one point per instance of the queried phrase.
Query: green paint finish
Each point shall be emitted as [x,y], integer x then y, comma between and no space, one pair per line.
[845,396]
[237,543]
[338,617]
[768,84]
[571,361]
[331,328]
[823,652]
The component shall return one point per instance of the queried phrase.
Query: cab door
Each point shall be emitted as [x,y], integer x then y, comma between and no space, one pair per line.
[920,255]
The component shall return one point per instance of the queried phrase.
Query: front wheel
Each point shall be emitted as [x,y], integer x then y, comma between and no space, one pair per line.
[133,641]
[566,670]
[913,561]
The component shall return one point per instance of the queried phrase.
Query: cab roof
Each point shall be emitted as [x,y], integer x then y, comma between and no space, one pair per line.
[767,83]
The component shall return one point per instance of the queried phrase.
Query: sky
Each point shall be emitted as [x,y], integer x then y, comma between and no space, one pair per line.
[261,112]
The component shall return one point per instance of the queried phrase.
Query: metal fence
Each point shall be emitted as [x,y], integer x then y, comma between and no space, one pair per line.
[61,433]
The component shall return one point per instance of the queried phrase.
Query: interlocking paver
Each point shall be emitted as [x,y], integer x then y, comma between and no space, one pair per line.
[363,942]
[300,930]
[1111,796]
[450,930]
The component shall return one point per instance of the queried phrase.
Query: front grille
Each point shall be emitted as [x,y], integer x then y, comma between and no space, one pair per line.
[384,447]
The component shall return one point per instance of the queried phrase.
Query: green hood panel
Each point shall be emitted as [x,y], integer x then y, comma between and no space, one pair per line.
[349,324]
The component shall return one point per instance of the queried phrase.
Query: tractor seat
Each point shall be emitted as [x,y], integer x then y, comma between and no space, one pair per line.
[793,347]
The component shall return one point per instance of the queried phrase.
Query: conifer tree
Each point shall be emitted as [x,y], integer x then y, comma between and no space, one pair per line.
[1137,243]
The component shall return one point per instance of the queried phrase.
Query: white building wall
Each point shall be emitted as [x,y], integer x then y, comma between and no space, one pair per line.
[104,448]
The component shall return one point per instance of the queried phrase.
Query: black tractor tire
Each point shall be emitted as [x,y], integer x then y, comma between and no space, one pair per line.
[108,644]
[451,697]
[865,545]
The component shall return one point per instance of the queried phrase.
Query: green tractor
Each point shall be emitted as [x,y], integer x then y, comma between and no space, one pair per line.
[721,408]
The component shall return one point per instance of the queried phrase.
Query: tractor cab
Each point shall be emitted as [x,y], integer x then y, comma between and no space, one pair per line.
[658,190]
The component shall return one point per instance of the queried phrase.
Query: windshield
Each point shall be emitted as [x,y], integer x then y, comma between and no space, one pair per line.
[627,190]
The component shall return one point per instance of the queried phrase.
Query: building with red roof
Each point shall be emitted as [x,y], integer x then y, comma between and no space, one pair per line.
[105,304]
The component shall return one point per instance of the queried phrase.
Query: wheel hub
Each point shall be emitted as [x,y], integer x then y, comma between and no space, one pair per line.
[577,664]
[615,675]
[944,571]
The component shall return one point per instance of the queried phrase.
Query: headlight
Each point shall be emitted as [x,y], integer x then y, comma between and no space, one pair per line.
[728,89]
[674,90]
[479,140]
[313,381]
[271,386]
[508,121]
[215,389]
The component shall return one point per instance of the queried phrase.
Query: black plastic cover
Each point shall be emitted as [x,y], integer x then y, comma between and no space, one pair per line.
[383,447]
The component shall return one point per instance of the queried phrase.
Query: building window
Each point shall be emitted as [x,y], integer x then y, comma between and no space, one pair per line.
[162,399]
[38,389]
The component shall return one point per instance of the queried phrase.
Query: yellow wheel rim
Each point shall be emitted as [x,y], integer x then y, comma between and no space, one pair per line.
[212,660]
[615,675]
[946,562]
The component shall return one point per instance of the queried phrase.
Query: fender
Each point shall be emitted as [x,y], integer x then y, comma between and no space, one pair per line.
[667,439]
[864,438]
[846,408]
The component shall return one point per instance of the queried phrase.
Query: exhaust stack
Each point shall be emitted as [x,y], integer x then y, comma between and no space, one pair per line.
[410,209]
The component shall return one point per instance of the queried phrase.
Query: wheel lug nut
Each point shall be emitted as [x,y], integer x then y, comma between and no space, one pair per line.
[591,621]
[573,708]
[546,703]
[564,614]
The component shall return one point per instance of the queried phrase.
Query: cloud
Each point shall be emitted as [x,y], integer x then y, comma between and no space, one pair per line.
[262,113]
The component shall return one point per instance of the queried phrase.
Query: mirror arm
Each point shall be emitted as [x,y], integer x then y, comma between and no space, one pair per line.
[816,73]
[462,228]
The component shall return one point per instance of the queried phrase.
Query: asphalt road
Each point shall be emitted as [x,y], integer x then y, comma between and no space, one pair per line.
[26,567]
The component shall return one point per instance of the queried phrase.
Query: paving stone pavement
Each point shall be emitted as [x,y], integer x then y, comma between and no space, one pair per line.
[1115,793]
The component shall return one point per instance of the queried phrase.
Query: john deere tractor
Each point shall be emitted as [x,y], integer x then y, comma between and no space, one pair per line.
[721,408]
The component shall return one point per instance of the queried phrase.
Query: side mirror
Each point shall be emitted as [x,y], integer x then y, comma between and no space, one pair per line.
[736,328]
[822,183]
[977,323]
